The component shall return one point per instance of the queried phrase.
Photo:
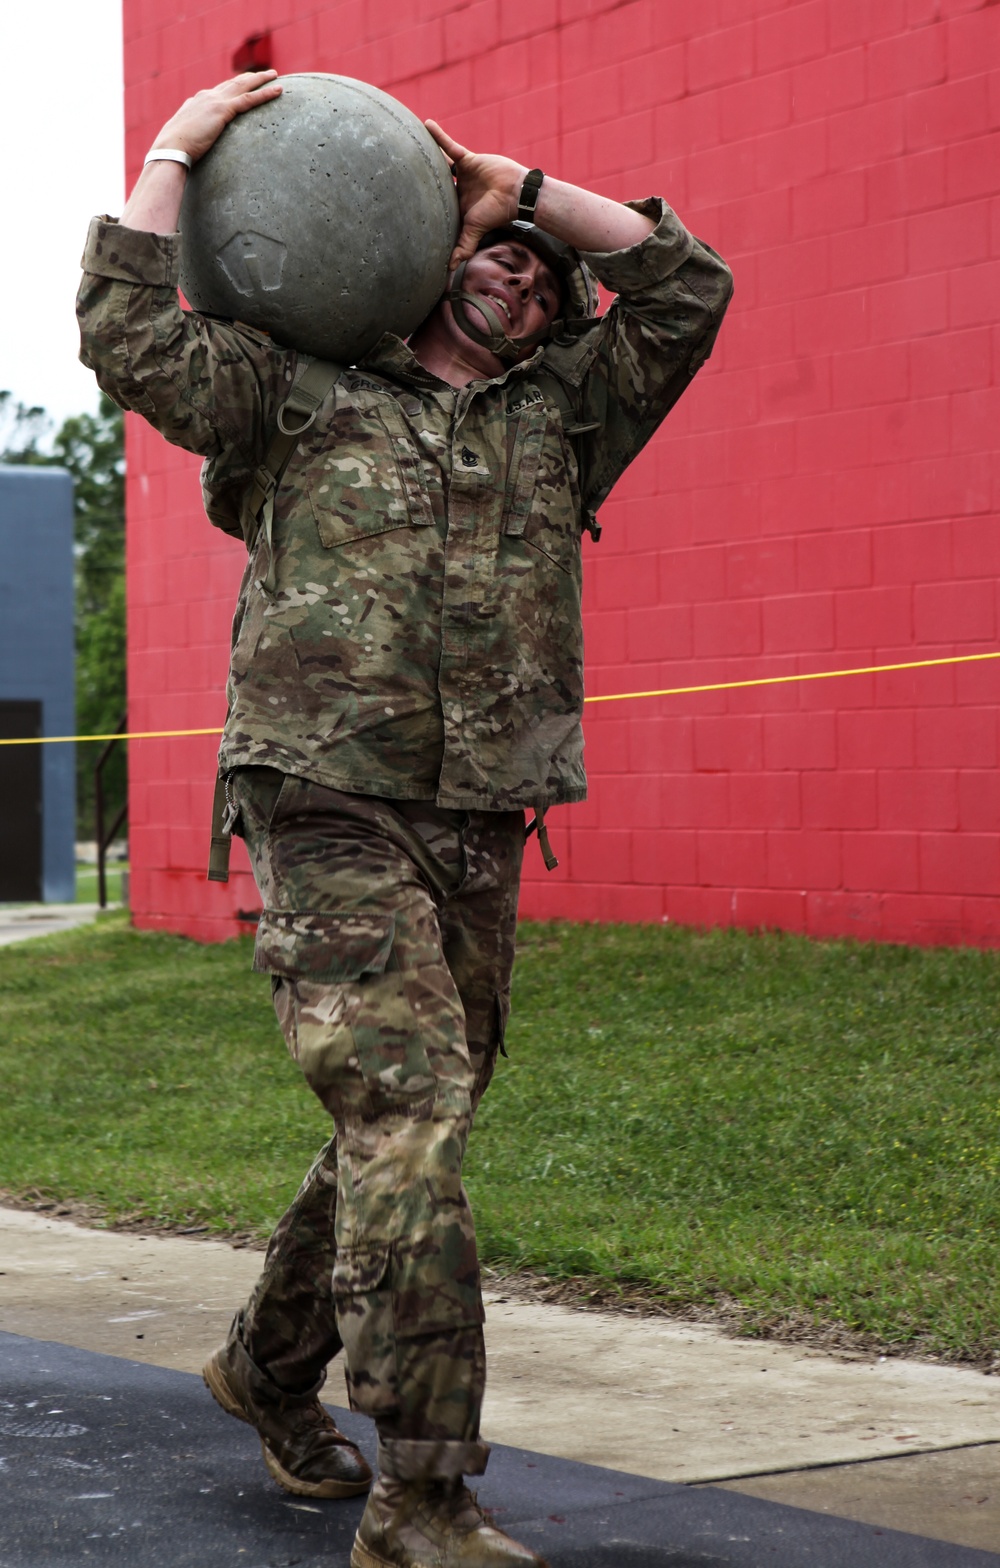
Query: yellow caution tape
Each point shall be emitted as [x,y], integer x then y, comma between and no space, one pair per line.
[784,680]
[54,740]
[616,696]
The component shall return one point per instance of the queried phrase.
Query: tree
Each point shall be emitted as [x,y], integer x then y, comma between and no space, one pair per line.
[21,429]
[91,448]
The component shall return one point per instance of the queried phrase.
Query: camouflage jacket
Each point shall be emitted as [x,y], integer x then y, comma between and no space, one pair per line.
[424,636]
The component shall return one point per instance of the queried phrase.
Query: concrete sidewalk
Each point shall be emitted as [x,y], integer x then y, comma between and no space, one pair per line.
[900,1444]
[19,922]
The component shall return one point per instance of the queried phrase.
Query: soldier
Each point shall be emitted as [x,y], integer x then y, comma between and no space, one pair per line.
[406,678]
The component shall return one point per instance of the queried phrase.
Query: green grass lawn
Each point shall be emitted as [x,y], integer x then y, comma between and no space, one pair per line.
[809,1131]
[86,882]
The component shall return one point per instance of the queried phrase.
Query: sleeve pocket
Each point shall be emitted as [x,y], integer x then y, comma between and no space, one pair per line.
[528,441]
[305,944]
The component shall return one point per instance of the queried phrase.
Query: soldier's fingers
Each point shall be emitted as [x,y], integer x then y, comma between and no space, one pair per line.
[259,94]
[241,93]
[453,149]
[247,82]
[467,243]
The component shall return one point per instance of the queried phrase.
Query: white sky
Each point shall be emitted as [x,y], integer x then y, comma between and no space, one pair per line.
[62,139]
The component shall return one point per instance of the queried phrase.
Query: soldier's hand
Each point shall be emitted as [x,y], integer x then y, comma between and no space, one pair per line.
[200,121]
[488,189]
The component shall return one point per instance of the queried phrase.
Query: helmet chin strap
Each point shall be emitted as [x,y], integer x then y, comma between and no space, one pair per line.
[507,349]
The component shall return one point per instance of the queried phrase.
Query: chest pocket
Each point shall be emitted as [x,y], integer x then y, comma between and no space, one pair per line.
[541,503]
[365,475]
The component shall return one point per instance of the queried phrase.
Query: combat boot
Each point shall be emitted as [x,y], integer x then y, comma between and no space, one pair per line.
[303,1449]
[432,1524]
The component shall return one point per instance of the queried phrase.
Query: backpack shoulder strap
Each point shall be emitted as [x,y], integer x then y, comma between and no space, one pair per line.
[314,379]
[573,426]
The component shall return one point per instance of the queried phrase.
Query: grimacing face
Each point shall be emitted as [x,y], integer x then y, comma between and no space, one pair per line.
[522,288]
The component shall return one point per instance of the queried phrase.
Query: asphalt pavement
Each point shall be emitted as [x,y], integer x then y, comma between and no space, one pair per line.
[620,1440]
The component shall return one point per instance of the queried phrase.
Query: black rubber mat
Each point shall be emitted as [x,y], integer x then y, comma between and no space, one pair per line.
[107,1462]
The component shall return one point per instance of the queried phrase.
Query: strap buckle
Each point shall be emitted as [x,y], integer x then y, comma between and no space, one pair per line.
[537,825]
[265,483]
[297,430]
[592,526]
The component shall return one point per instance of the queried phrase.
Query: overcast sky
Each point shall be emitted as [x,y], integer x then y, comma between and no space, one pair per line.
[61,133]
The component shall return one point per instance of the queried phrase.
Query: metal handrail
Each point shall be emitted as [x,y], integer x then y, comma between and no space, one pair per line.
[103,840]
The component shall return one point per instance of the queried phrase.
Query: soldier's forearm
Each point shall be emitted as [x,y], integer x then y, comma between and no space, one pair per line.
[155,204]
[488,189]
[587,220]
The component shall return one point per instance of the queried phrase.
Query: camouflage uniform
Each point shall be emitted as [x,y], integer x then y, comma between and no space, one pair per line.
[411,682]
[424,638]
[389,936]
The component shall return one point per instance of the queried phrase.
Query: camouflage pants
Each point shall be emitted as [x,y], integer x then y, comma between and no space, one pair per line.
[388,931]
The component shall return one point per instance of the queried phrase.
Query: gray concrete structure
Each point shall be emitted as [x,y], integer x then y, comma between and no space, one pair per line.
[36,682]
[325,217]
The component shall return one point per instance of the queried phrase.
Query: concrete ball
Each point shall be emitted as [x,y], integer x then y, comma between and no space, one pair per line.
[325,218]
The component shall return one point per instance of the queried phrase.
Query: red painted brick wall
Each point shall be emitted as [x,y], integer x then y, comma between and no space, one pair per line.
[825,496]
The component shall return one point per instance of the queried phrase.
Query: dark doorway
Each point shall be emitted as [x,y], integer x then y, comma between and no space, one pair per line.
[20,805]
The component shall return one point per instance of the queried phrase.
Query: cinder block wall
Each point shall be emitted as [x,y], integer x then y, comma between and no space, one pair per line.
[824,497]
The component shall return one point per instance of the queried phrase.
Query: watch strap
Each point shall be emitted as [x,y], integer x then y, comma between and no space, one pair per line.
[528,199]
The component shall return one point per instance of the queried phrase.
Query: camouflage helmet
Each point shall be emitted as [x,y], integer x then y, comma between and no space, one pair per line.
[579,294]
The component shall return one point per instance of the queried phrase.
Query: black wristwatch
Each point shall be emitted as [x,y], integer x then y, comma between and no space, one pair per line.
[528,198]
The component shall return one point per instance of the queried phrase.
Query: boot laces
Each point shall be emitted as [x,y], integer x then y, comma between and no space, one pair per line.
[463,1505]
[309,1422]
[315,1417]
